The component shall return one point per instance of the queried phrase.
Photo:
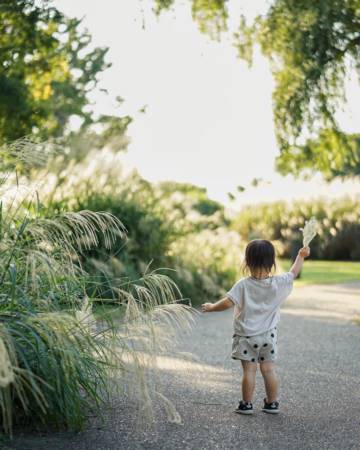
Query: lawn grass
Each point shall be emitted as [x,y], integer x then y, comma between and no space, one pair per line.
[319,272]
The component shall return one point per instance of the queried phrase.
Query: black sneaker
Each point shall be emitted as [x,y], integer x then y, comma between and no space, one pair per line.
[244,408]
[271,408]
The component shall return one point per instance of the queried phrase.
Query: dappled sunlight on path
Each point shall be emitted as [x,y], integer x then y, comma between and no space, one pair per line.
[318,366]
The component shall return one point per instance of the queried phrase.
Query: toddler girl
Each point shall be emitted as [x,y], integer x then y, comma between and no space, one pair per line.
[257,300]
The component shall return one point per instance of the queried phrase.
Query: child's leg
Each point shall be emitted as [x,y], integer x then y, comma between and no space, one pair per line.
[248,380]
[270,380]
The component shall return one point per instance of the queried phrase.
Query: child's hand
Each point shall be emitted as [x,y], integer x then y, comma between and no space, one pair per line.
[304,252]
[206,307]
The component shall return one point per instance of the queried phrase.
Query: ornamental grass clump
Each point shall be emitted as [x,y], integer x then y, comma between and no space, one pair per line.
[57,362]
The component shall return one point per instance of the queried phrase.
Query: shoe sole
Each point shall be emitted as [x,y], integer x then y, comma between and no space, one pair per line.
[270,411]
[246,413]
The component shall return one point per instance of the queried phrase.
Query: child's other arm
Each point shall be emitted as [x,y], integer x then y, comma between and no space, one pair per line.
[221,305]
[299,261]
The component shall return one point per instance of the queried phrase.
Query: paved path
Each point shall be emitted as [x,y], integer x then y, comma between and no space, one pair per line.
[319,369]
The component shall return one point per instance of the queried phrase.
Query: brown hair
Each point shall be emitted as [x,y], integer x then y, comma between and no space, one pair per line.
[259,254]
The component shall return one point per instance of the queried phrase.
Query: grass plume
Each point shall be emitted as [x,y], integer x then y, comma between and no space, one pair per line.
[57,361]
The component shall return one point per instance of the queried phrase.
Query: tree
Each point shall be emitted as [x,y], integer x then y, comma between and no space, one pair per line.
[312,47]
[46,71]
[189,207]
[210,15]
[332,152]
[113,135]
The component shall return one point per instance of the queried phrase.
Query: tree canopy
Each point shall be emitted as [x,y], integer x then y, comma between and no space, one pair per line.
[47,70]
[312,46]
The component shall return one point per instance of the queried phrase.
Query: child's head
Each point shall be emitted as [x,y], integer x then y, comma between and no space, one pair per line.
[259,256]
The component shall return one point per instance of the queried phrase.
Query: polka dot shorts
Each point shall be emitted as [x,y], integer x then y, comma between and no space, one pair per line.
[260,348]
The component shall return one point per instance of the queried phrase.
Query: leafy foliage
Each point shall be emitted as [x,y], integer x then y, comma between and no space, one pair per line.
[312,46]
[338,226]
[165,222]
[189,208]
[46,71]
[215,265]
[334,153]
[210,15]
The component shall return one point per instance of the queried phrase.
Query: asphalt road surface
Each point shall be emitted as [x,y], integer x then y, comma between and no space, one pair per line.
[319,371]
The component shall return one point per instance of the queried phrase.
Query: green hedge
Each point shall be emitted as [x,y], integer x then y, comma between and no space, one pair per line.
[169,225]
[339,226]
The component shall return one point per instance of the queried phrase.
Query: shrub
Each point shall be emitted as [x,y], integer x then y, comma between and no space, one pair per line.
[207,263]
[56,360]
[165,222]
[339,226]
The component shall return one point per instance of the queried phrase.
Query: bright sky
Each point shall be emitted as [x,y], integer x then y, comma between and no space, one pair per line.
[208,118]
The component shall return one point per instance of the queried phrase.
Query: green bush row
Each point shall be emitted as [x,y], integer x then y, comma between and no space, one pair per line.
[170,225]
[338,226]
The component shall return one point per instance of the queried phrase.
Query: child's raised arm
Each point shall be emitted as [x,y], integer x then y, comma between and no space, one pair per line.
[221,305]
[299,261]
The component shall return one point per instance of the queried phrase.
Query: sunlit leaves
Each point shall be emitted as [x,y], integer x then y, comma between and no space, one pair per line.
[46,69]
[211,16]
[312,46]
[334,153]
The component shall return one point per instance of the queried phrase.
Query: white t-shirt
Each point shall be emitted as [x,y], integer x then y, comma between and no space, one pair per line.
[257,302]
